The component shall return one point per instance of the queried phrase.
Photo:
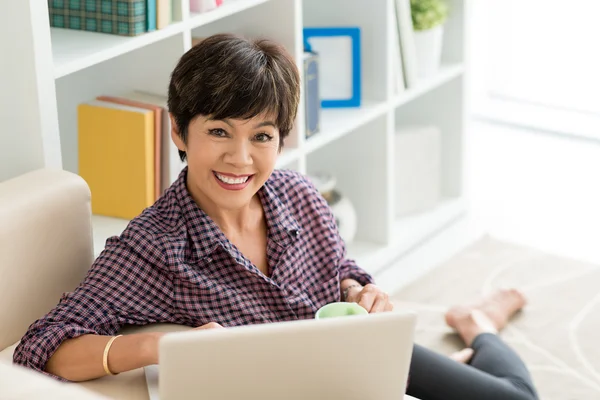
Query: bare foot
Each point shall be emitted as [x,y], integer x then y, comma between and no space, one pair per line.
[491,314]
[463,356]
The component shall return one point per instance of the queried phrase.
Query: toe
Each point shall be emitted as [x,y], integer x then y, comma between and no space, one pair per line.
[463,356]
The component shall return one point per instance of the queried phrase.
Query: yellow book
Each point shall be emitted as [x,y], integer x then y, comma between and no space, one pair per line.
[116,157]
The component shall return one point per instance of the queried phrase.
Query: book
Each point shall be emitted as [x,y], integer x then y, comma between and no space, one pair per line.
[170,161]
[398,70]
[407,42]
[163,13]
[151,17]
[312,99]
[123,17]
[116,157]
[129,100]
[176,10]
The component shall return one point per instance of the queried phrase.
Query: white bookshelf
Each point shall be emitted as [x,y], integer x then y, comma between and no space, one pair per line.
[356,144]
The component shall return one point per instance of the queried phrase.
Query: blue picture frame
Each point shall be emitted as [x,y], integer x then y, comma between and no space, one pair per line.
[354,34]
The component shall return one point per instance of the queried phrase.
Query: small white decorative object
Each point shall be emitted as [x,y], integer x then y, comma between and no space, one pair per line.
[418,169]
[428,47]
[342,208]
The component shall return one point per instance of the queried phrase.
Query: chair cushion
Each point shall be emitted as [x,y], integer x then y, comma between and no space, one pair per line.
[17,382]
[45,229]
[130,385]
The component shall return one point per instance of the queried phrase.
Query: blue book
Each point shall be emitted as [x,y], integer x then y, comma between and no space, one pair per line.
[311,93]
[150,15]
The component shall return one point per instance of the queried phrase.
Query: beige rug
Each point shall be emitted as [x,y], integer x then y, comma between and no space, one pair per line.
[556,334]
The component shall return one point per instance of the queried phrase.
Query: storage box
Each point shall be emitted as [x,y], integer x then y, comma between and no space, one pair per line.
[417,169]
[312,100]
[117,17]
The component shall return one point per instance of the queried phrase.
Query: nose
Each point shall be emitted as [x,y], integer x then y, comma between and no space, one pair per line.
[239,154]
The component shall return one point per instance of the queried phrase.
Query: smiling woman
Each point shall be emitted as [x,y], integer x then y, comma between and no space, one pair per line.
[226,157]
[230,118]
[235,242]
[231,242]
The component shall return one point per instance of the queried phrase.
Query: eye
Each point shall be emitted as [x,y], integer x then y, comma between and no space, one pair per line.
[263,137]
[217,132]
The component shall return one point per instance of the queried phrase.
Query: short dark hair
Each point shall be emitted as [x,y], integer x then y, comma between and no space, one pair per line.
[229,76]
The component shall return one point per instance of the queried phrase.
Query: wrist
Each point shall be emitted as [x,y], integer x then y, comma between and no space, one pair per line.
[149,349]
[351,290]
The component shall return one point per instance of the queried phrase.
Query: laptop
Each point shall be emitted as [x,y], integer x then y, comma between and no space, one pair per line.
[358,357]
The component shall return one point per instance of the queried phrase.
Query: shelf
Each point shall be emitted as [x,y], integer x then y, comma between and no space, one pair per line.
[227,9]
[338,122]
[74,54]
[446,74]
[408,233]
[74,50]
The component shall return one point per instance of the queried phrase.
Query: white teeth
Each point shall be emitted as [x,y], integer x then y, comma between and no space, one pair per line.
[231,181]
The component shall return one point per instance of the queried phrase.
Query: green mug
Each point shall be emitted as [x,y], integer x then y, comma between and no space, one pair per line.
[340,309]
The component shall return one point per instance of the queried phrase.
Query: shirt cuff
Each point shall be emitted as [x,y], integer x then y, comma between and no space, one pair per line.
[349,270]
[34,352]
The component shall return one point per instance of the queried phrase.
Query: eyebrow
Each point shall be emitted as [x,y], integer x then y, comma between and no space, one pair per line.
[222,120]
[259,125]
[265,123]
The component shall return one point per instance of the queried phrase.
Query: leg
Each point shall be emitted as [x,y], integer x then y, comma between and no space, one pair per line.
[437,377]
[495,370]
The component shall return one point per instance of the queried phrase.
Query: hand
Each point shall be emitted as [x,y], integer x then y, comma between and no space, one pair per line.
[154,337]
[210,325]
[371,298]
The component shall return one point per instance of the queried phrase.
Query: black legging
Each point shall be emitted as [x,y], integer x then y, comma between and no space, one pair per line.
[495,373]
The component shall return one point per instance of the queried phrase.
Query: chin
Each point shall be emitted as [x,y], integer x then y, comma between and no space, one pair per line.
[234,204]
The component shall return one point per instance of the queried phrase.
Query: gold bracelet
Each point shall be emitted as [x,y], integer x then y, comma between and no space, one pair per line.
[105,356]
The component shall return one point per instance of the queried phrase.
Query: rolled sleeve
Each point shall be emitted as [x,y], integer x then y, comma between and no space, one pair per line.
[122,287]
[42,341]
[350,270]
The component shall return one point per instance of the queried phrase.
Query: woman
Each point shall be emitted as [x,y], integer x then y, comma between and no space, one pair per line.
[234,242]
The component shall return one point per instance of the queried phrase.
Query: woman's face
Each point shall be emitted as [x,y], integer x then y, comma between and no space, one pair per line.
[229,160]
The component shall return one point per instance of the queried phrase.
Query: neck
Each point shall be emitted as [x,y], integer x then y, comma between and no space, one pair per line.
[237,220]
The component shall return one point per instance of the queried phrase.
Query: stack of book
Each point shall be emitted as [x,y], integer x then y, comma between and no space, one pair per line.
[126,154]
[117,17]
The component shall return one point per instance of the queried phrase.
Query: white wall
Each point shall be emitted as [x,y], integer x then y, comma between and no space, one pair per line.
[27,109]
[534,65]
[537,189]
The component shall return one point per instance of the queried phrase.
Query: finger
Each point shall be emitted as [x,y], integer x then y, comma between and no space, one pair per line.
[380,303]
[210,325]
[366,300]
[389,306]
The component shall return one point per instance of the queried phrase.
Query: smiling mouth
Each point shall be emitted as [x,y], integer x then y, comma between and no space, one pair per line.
[229,180]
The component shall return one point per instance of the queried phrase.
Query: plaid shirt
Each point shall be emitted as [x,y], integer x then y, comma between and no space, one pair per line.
[173,264]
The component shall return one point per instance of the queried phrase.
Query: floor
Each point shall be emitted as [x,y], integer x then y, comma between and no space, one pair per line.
[526,187]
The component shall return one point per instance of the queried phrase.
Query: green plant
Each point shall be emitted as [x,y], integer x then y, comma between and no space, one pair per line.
[427,14]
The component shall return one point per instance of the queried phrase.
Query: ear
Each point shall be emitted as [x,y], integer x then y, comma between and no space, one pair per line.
[175,134]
